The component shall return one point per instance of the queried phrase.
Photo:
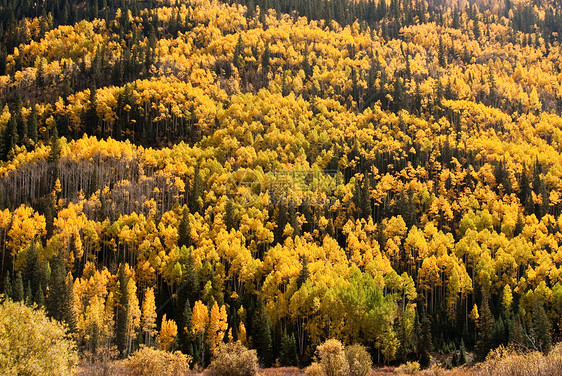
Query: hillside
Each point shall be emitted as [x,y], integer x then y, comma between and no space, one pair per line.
[284,172]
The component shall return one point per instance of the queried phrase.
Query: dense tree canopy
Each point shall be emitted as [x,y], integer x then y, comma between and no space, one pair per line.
[188,173]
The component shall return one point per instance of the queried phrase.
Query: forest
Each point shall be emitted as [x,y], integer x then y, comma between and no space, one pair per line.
[190,173]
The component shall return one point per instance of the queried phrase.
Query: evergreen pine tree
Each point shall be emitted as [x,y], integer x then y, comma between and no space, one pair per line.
[28,294]
[34,271]
[191,284]
[540,327]
[441,57]
[3,58]
[365,199]
[18,288]
[90,115]
[288,354]
[10,138]
[54,158]
[455,358]
[7,289]
[485,327]
[307,68]
[265,58]
[425,344]
[462,356]
[185,336]
[456,19]
[293,220]
[69,314]
[32,125]
[261,335]
[39,297]
[238,58]
[476,30]
[304,274]
[59,301]
[57,289]
[21,125]
[229,219]
[196,192]
[184,230]
[40,74]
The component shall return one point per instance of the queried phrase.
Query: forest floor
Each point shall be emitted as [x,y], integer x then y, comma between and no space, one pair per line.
[114,369]
[379,371]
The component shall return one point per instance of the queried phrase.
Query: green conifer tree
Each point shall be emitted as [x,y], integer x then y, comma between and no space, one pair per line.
[7,289]
[425,345]
[485,328]
[288,354]
[185,336]
[462,356]
[18,288]
[184,230]
[261,335]
[32,125]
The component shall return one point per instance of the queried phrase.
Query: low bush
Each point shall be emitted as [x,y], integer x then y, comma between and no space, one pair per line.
[509,362]
[410,368]
[333,359]
[149,361]
[234,359]
[359,360]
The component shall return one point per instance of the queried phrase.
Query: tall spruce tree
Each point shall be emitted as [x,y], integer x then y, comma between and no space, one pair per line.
[304,274]
[59,301]
[540,327]
[485,328]
[7,288]
[229,219]
[10,138]
[196,192]
[18,293]
[261,335]
[184,230]
[185,335]
[288,354]
[32,125]
[425,344]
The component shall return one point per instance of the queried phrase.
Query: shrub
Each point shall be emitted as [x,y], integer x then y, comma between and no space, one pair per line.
[410,368]
[149,361]
[333,359]
[330,360]
[504,362]
[359,360]
[33,344]
[314,369]
[234,359]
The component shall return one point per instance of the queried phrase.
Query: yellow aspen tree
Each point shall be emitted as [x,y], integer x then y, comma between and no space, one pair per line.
[167,335]
[199,323]
[133,314]
[148,319]
[242,333]
[217,326]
